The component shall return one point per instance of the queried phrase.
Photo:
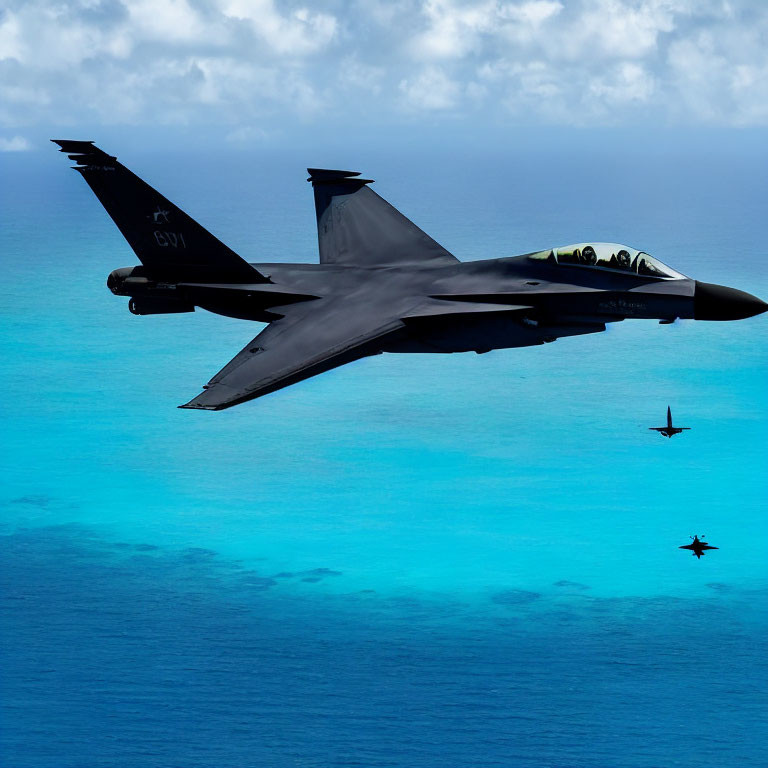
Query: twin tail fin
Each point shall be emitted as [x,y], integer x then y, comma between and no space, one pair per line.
[171,245]
[357,227]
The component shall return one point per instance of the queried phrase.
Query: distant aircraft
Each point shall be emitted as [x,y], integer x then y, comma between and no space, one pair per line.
[669,430]
[697,546]
[382,285]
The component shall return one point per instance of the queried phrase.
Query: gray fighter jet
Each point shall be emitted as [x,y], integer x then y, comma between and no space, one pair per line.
[697,546]
[669,430]
[382,285]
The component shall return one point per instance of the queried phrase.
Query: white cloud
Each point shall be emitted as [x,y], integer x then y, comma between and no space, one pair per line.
[225,81]
[48,36]
[453,28]
[11,46]
[298,32]
[356,74]
[721,75]
[170,21]
[629,82]
[16,144]
[624,29]
[534,12]
[431,89]
[262,63]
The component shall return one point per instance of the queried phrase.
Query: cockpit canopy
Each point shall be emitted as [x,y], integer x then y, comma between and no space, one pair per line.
[613,256]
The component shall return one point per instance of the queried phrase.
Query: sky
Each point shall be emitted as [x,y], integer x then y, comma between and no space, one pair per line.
[262,72]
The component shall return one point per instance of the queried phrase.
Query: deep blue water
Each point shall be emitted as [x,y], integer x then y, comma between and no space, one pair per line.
[413,560]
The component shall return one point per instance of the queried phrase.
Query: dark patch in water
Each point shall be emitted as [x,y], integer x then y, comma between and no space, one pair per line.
[515,597]
[311,576]
[253,580]
[146,548]
[140,659]
[197,555]
[322,572]
[719,586]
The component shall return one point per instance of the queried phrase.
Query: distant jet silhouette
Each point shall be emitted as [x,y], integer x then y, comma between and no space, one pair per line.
[669,430]
[697,546]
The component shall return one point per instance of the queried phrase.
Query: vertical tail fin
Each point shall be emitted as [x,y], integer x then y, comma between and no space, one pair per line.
[669,416]
[356,226]
[170,244]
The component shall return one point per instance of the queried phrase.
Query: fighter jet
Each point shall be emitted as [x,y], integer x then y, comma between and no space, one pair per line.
[669,430]
[382,284]
[697,546]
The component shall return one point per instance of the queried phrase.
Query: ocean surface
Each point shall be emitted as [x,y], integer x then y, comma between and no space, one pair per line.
[413,560]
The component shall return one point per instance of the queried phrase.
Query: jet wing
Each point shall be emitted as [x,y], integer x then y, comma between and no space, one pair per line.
[309,339]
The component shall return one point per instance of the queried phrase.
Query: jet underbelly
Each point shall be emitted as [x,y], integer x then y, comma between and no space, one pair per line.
[482,333]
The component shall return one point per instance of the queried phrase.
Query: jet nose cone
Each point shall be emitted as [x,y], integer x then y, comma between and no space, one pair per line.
[718,302]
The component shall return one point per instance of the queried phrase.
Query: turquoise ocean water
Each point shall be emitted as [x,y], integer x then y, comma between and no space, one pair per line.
[413,560]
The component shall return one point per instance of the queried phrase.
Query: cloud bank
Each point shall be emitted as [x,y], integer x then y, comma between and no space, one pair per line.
[251,65]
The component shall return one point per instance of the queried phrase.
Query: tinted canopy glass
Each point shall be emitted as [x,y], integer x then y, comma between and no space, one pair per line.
[613,256]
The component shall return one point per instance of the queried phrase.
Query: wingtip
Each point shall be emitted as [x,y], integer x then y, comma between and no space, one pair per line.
[193,406]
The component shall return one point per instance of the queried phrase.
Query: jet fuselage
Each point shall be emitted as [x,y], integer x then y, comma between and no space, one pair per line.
[560,300]
[382,284]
